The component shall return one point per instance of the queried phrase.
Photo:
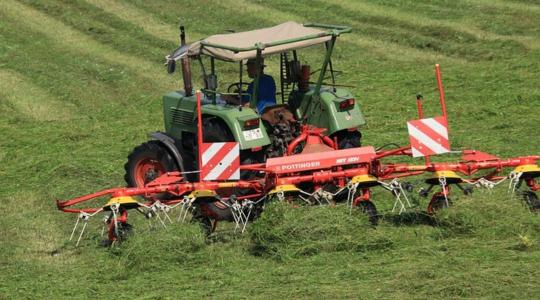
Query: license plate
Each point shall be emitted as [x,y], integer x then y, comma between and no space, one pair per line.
[253,134]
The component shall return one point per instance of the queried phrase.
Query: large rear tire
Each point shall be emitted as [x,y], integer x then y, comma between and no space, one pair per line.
[348,139]
[147,162]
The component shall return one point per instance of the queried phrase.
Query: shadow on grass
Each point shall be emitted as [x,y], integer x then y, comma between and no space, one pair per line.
[410,218]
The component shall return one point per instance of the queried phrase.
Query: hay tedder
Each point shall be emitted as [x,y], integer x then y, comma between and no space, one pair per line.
[221,160]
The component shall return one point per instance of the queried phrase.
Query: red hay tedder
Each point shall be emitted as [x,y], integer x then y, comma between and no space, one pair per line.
[320,173]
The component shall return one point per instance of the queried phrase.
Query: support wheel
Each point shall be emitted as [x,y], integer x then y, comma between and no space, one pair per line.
[437,203]
[370,210]
[146,163]
[532,201]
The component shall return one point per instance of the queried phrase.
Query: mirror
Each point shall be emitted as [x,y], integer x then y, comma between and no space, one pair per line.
[171,66]
[210,82]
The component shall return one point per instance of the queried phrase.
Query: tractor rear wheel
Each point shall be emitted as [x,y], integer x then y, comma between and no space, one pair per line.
[348,139]
[147,162]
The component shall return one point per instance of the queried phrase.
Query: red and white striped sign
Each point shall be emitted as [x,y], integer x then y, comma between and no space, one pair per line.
[429,136]
[220,161]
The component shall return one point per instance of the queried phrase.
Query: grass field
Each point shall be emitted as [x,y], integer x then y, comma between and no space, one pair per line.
[80,86]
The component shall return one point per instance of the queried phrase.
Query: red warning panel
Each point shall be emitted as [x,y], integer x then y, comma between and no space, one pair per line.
[220,161]
[429,136]
[320,160]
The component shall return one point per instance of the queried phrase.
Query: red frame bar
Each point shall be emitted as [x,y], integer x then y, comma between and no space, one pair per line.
[199,132]
[441,90]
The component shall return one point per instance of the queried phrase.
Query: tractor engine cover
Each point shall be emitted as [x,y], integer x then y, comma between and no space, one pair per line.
[281,127]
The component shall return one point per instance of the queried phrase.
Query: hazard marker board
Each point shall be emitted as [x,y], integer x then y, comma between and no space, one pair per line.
[220,161]
[429,136]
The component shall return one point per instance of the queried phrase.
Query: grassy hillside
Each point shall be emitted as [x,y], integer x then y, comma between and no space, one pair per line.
[80,86]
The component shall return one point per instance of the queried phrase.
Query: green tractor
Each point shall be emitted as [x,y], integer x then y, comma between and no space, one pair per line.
[260,134]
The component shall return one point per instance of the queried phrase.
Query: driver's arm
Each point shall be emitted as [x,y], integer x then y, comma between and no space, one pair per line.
[231,99]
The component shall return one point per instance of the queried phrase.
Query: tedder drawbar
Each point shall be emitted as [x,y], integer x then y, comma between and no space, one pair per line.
[222,160]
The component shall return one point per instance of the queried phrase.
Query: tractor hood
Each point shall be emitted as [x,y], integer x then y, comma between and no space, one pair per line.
[243,45]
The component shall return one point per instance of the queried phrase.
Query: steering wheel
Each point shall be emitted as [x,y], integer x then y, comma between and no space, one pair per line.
[238,86]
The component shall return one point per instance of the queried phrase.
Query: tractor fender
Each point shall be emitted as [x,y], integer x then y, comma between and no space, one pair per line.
[169,144]
[324,110]
[234,118]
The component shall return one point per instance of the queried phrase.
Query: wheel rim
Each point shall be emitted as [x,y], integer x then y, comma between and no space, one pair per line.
[147,170]
[437,204]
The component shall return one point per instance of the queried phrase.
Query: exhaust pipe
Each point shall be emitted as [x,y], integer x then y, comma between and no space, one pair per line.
[186,68]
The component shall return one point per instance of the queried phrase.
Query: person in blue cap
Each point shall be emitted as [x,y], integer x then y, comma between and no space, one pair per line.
[266,94]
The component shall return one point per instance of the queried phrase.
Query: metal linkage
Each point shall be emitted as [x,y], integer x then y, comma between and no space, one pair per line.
[318,195]
[186,206]
[157,208]
[352,189]
[241,211]
[398,191]
[444,187]
[115,211]
[84,217]
[485,183]
[514,178]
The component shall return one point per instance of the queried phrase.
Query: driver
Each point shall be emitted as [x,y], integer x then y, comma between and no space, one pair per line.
[267,87]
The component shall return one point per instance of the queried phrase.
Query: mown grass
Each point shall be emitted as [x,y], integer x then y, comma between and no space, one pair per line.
[80,86]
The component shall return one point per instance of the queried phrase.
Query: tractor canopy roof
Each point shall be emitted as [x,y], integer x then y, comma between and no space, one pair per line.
[243,45]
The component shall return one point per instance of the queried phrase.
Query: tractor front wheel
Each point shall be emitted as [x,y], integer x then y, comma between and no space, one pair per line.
[146,163]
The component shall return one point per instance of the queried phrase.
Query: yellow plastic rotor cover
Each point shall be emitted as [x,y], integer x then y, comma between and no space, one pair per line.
[528,171]
[202,194]
[123,201]
[365,180]
[284,188]
[450,176]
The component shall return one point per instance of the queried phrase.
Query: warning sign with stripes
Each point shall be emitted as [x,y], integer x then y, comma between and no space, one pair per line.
[429,136]
[220,161]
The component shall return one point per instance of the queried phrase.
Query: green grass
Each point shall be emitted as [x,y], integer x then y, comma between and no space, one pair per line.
[80,86]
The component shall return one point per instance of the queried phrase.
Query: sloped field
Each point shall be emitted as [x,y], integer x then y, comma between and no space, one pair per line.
[80,86]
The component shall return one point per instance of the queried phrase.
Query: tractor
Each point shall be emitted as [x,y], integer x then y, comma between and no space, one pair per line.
[300,103]
[304,146]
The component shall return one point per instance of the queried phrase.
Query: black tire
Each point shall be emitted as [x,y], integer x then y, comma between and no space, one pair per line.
[370,210]
[209,211]
[348,139]
[124,231]
[216,131]
[531,200]
[147,162]
[215,210]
